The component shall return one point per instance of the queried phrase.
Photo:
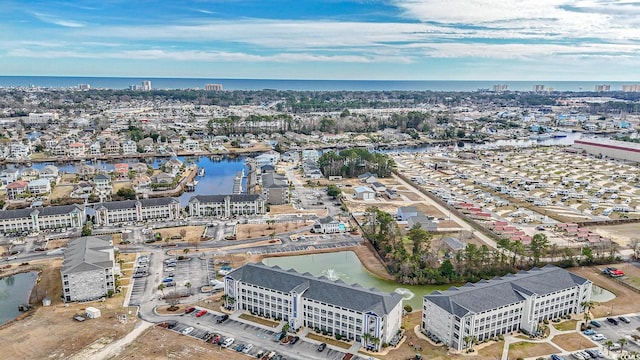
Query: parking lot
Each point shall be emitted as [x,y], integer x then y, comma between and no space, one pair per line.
[193,271]
[621,331]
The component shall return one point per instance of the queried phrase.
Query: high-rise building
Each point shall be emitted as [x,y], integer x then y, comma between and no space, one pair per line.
[213,87]
[146,85]
[500,88]
[84,87]
[603,87]
[631,88]
[538,88]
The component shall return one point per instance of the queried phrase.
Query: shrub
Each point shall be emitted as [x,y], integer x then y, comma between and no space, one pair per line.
[408,308]
[338,337]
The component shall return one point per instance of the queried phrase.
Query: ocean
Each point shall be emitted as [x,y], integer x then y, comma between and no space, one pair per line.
[310,85]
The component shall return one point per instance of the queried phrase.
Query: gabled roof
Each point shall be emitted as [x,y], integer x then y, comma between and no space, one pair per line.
[130,204]
[18,185]
[319,289]
[42,211]
[86,254]
[220,198]
[509,289]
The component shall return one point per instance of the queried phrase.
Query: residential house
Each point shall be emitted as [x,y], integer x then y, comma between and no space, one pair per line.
[129,147]
[81,190]
[454,244]
[364,193]
[191,145]
[140,168]
[275,189]
[39,186]
[304,300]
[51,173]
[368,178]
[19,150]
[163,179]
[29,174]
[270,158]
[378,187]
[76,150]
[147,144]
[226,206]
[112,147]
[425,222]
[40,218]
[121,170]
[16,188]
[119,212]
[95,149]
[405,212]
[7,176]
[502,305]
[291,156]
[85,172]
[173,166]
[89,269]
[102,183]
[312,155]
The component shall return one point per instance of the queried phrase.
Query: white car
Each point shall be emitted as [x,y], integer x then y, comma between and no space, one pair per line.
[598,337]
[187,331]
[247,348]
[228,342]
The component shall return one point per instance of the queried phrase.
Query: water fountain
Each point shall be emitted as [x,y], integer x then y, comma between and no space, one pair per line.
[406,293]
[331,274]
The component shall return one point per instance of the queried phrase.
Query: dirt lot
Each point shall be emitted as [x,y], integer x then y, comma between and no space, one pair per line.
[288,209]
[572,342]
[249,231]
[527,349]
[61,192]
[192,232]
[31,337]
[158,343]
[621,234]
[626,299]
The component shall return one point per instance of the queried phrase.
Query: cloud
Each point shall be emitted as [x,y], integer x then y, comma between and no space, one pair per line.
[56,21]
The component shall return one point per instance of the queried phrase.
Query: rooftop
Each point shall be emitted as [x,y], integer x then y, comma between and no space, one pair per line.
[86,254]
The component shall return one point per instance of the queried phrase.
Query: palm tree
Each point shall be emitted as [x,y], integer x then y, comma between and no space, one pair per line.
[286,327]
[161,288]
[185,251]
[469,340]
[608,344]
[188,286]
[622,343]
[367,338]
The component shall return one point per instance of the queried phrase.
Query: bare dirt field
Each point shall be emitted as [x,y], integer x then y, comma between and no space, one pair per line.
[527,349]
[192,232]
[57,243]
[158,343]
[572,342]
[61,192]
[31,337]
[249,231]
[622,234]
[626,299]
[288,209]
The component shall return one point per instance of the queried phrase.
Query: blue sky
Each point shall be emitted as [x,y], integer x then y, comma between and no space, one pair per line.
[329,39]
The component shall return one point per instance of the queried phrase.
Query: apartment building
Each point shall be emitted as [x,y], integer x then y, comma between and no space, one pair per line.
[40,218]
[39,186]
[76,149]
[129,147]
[316,303]
[226,206]
[89,269]
[16,188]
[118,212]
[275,188]
[503,305]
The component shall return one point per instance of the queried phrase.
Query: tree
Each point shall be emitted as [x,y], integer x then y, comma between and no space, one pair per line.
[469,340]
[285,327]
[87,229]
[188,286]
[183,233]
[186,251]
[126,193]
[161,287]
[333,191]
[622,342]
[608,344]
[538,246]
[270,224]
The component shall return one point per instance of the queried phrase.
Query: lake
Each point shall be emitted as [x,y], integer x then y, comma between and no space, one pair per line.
[14,291]
[346,266]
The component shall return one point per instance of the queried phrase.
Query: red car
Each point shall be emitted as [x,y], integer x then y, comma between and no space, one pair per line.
[201,312]
[189,310]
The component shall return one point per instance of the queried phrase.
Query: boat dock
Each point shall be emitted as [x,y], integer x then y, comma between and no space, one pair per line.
[237,182]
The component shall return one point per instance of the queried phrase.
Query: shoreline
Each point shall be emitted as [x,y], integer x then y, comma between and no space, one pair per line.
[32,294]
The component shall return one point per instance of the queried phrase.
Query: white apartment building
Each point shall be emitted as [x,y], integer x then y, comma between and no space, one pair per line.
[19,150]
[316,303]
[118,212]
[226,206]
[36,219]
[489,308]
[89,269]
[40,118]
[76,149]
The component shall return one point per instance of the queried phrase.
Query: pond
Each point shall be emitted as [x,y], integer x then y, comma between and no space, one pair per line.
[14,291]
[346,266]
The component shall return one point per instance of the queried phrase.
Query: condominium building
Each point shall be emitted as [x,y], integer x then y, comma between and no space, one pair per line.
[316,303]
[275,188]
[89,269]
[40,218]
[489,308]
[213,87]
[226,206]
[118,212]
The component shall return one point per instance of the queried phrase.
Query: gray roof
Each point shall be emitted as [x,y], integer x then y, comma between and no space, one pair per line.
[326,220]
[101,177]
[454,243]
[272,180]
[86,254]
[321,289]
[407,209]
[42,211]
[490,294]
[220,198]
[130,204]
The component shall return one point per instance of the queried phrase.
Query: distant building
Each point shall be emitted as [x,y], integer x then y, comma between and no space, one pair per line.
[119,212]
[603,88]
[41,218]
[84,87]
[500,88]
[129,147]
[538,88]
[102,183]
[622,150]
[213,87]
[226,206]
[489,308]
[146,85]
[364,193]
[40,118]
[316,303]
[631,88]
[89,269]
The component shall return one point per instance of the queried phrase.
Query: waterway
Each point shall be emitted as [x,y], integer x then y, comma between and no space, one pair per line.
[14,291]
[346,266]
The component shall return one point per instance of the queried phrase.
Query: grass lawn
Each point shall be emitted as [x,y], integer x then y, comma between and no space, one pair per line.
[493,351]
[259,320]
[328,340]
[573,341]
[566,325]
[527,349]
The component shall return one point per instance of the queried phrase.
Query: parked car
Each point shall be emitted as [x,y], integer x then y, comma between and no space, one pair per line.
[321,347]
[589,332]
[578,356]
[222,318]
[556,357]
[616,346]
[598,337]
[201,312]
[239,348]
[294,340]
[624,319]
[247,348]
[187,331]
[227,342]
[189,309]
[612,320]
[167,280]
[596,323]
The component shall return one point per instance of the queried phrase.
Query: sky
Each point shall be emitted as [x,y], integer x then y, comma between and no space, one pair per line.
[588,40]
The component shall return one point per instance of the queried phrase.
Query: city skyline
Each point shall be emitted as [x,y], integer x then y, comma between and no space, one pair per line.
[332,39]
